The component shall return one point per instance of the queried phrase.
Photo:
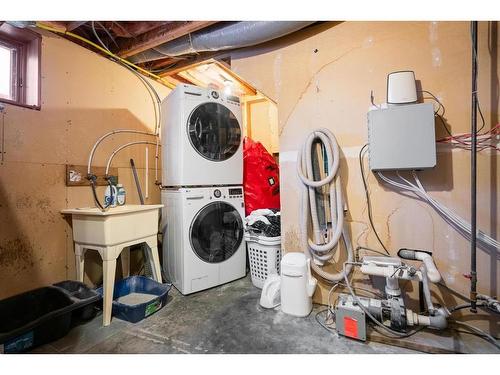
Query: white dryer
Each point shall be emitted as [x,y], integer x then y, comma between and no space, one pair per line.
[203,242]
[201,138]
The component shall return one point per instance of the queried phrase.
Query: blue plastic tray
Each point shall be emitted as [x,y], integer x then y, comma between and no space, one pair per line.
[138,284]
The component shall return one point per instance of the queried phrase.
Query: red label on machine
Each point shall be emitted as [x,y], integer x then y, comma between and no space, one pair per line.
[351,327]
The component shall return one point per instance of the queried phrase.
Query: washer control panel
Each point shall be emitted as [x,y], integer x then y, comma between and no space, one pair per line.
[235,193]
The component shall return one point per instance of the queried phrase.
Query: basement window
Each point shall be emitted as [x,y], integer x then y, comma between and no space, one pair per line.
[19,66]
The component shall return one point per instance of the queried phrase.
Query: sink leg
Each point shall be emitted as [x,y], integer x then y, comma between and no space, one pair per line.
[108,268]
[125,259]
[79,261]
[152,247]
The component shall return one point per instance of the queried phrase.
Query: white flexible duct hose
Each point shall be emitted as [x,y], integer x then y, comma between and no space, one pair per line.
[320,251]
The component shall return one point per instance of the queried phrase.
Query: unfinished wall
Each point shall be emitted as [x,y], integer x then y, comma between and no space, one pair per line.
[260,121]
[322,77]
[83,96]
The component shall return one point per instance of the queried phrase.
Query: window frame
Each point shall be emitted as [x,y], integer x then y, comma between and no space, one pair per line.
[27,45]
[17,69]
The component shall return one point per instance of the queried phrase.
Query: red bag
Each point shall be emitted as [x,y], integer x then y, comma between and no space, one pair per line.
[260,177]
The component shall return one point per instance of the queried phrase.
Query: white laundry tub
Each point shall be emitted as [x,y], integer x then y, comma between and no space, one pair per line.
[117,225]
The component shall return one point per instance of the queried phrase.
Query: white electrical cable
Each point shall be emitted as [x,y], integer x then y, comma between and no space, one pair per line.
[458,222]
[92,152]
[108,164]
[320,251]
[156,106]
[146,175]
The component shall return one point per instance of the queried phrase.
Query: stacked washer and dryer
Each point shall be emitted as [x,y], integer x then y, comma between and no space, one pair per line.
[202,177]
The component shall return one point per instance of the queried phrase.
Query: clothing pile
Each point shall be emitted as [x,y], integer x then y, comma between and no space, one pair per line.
[265,222]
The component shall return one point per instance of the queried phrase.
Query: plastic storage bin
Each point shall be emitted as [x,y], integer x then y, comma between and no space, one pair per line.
[43,315]
[264,254]
[142,286]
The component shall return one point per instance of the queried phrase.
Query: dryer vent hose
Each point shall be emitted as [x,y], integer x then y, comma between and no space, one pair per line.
[326,242]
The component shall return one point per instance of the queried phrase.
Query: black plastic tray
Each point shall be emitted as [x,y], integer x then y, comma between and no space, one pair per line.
[45,314]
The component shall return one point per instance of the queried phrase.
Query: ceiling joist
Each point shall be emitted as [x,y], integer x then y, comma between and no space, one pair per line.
[160,35]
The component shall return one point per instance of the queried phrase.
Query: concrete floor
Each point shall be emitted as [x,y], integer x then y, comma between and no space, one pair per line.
[225,319]
[229,319]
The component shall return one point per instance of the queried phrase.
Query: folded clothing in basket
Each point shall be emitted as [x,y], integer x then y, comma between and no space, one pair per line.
[264,221]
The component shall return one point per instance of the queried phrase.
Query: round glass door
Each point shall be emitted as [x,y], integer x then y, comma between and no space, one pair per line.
[216,232]
[214,131]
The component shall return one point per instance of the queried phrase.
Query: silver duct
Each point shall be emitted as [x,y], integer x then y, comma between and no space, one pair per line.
[229,36]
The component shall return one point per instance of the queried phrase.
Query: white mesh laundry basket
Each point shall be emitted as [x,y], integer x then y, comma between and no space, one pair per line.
[264,254]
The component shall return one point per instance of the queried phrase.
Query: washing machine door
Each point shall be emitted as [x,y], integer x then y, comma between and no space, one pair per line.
[216,232]
[214,131]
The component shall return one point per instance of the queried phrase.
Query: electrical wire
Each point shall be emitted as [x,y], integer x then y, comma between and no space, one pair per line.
[473,333]
[480,332]
[459,140]
[331,330]
[441,106]
[484,140]
[118,58]
[462,226]
[151,90]
[156,104]
[367,195]
[110,159]
[395,334]
[334,287]
[464,306]
[157,115]
[369,249]
[108,34]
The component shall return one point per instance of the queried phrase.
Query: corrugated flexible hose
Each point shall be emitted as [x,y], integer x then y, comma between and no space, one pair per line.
[322,250]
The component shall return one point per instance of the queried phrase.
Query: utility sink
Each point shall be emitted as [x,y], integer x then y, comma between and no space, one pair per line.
[117,225]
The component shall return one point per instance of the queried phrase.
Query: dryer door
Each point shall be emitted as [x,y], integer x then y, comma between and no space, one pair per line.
[216,232]
[214,131]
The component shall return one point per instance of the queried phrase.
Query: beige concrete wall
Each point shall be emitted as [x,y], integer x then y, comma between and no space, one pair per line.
[322,77]
[83,96]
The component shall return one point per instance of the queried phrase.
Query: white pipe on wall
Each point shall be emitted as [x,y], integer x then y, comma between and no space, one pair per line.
[146,175]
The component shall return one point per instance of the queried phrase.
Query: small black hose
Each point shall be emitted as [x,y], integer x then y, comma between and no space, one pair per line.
[111,197]
[92,179]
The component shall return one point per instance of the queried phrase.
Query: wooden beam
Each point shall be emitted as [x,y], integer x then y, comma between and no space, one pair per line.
[160,35]
[131,29]
[56,24]
[161,64]
[190,63]
[181,79]
[240,80]
[74,25]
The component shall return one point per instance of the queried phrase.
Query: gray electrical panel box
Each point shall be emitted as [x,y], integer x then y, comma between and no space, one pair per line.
[350,319]
[402,137]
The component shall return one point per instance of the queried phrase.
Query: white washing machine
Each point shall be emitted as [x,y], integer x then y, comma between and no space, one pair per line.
[201,138]
[203,242]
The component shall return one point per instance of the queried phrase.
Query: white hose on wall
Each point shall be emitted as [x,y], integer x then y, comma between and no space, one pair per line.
[320,251]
